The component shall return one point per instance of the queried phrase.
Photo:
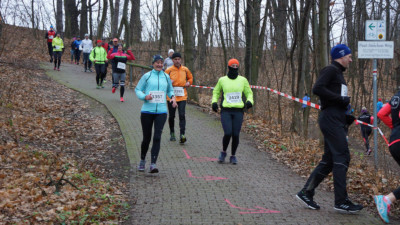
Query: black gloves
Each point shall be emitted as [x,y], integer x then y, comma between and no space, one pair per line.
[350,119]
[345,101]
[248,105]
[215,107]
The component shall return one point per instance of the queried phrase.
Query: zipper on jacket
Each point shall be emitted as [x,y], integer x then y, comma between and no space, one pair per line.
[158,88]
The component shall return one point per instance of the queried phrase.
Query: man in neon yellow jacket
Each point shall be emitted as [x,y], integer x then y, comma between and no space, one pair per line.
[99,57]
[58,49]
[232,87]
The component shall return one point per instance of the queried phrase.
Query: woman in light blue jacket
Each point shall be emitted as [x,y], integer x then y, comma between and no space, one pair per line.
[153,88]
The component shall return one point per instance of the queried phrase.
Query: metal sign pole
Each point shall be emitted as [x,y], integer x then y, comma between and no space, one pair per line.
[374,74]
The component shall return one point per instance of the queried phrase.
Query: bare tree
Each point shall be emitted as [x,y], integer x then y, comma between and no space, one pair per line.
[71,18]
[203,34]
[100,28]
[221,34]
[135,23]
[114,17]
[59,16]
[84,19]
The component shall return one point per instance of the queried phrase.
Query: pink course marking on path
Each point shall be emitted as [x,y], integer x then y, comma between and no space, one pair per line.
[206,178]
[200,159]
[251,211]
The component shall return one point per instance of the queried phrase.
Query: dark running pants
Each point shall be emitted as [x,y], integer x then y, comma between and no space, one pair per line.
[50,47]
[77,55]
[100,73]
[232,124]
[395,152]
[182,120]
[86,61]
[336,156]
[57,58]
[147,121]
[365,133]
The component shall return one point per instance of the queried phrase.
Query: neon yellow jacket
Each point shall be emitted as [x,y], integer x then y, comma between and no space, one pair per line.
[231,90]
[99,54]
[57,44]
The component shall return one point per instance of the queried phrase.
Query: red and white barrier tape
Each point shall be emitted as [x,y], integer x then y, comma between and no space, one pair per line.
[308,103]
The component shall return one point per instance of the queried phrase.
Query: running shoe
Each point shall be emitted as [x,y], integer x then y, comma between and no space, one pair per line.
[383,207]
[98,87]
[348,206]
[172,138]
[222,157]
[308,200]
[182,139]
[102,85]
[121,99]
[369,151]
[90,70]
[233,160]
[113,90]
[142,165]
[104,81]
[153,168]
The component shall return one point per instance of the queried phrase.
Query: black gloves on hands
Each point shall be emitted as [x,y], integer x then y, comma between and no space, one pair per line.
[345,101]
[350,119]
[215,107]
[248,105]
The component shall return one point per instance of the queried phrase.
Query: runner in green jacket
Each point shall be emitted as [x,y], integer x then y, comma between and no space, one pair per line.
[99,57]
[58,49]
[232,87]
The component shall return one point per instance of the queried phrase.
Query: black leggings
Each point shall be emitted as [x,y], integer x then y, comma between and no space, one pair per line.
[50,47]
[182,120]
[100,73]
[148,120]
[77,55]
[395,152]
[366,132]
[231,123]
[57,58]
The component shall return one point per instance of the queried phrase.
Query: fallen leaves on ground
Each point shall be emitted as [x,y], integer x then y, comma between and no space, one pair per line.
[55,153]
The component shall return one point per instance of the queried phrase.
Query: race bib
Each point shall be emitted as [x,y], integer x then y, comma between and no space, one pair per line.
[121,65]
[234,97]
[179,91]
[158,97]
[58,47]
[344,90]
[51,37]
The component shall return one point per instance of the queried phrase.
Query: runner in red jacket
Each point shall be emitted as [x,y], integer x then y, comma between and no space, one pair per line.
[390,115]
[119,60]
[50,35]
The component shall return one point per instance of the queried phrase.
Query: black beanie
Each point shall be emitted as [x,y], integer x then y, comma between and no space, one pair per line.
[176,54]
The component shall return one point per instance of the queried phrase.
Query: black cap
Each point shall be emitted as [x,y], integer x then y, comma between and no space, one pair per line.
[176,54]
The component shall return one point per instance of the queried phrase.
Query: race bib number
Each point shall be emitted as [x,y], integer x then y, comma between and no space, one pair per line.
[121,65]
[344,90]
[234,97]
[158,97]
[58,47]
[51,37]
[179,91]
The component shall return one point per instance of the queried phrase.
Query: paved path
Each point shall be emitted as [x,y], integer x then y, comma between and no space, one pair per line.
[193,189]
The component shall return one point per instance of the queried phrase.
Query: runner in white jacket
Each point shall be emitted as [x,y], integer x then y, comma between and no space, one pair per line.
[86,47]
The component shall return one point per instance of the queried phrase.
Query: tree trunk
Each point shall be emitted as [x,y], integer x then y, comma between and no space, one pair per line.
[187,26]
[84,20]
[124,20]
[221,35]
[135,23]
[71,18]
[114,17]
[236,26]
[100,28]
[166,23]
[279,22]
[59,16]
[203,36]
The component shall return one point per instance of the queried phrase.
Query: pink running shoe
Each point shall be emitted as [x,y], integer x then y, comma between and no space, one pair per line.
[122,99]
[113,90]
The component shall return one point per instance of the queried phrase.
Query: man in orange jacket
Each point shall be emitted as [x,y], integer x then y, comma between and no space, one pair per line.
[181,78]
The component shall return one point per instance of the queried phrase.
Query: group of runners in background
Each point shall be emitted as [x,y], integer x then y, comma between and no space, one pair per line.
[164,89]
